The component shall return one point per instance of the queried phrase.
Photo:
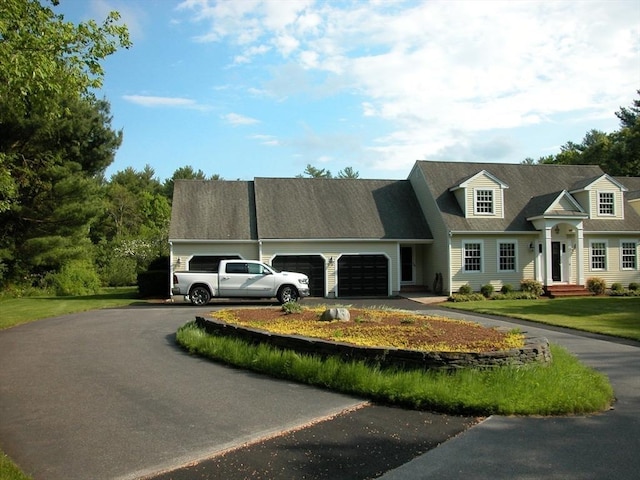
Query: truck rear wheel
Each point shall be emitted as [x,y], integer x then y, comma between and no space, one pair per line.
[199,296]
[288,293]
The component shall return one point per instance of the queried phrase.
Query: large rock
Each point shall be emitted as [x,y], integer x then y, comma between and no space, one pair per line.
[330,314]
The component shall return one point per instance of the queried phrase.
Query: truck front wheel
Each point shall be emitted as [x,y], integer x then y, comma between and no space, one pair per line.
[199,296]
[288,293]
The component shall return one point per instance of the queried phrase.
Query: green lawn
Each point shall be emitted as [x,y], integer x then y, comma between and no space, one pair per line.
[16,311]
[618,316]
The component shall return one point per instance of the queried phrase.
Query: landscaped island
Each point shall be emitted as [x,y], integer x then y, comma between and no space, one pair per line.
[379,336]
[563,386]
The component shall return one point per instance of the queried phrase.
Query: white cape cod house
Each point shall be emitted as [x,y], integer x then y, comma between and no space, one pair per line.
[454,222]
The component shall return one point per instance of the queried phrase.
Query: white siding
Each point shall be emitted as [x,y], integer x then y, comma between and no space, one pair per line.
[436,255]
[491,272]
[484,183]
[613,271]
[605,185]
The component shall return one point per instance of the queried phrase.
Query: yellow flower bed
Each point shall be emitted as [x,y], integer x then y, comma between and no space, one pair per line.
[379,328]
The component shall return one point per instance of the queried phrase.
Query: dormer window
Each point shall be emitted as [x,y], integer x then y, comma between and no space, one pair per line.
[606,202]
[484,202]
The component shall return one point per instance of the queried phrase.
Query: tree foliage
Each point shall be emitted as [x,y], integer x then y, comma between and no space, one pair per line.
[314,172]
[55,136]
[617,153]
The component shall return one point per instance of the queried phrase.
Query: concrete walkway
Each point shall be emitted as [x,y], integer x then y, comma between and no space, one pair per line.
[598,447]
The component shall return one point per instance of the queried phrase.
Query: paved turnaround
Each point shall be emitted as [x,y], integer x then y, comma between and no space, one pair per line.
[599,447]
[108,395]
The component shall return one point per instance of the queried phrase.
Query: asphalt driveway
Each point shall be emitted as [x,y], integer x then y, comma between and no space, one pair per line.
[108,395]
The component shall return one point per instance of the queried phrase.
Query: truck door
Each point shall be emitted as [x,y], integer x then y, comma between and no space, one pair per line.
[246,280]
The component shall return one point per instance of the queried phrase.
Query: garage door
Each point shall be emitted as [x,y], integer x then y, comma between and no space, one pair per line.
[363,276]
[311,265]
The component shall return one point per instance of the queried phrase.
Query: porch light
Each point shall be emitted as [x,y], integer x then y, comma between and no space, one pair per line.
[531,246]
[557,229]
[330,260]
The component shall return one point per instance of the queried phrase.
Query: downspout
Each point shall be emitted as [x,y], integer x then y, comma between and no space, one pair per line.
[171,271]
[449,279]
[260,250]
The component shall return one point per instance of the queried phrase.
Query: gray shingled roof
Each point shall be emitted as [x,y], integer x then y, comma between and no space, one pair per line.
[632,184]
[213,210]
[322,208]
[532,189]
[296,208]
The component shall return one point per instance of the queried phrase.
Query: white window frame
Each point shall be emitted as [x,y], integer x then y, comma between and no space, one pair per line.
[464,255]
[476,192]
[591,256]
[612,203]
[515,255]
[635,256]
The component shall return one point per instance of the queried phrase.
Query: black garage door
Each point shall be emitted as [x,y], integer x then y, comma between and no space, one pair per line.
[311,265]
[363,276]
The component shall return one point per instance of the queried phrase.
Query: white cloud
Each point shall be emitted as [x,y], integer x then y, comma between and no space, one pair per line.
[151,101]
[236,119]
[442,72]
[267,140]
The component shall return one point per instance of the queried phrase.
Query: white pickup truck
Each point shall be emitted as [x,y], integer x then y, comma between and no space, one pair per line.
[243,279]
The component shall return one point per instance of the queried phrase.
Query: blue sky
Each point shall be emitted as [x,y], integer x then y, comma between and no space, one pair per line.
[252,88]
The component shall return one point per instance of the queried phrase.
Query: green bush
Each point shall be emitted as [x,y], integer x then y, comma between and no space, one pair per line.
[153,284]
[596,285]
[465,289]
[617,287]
[506,288]
[74,279]
[515,296]
[634,287]
[532,286]
[119,272]
[466,297]
[487,290]
[291,307]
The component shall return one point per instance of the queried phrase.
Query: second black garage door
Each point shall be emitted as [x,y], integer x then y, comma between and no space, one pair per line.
[311,265]
[363,276]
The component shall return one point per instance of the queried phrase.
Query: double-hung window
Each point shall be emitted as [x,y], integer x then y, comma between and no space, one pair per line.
[472,261]
[484,202]
[628,253]
[598,255]
[606,203]
[507,256]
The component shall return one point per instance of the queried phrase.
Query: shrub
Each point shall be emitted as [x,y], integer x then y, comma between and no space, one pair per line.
[487,290]
[465,289]
[119,272]
[506,288]
[532,286]
[596,285]
[634,287]
[468,297]
[515,296]
[153,284]
[291,307]
[74,279]
[617,287]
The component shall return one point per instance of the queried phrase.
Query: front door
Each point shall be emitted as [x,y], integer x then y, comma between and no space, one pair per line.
[406,262]
[556,262]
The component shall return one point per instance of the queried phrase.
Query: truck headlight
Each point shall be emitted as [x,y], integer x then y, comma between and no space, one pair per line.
[304,281]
